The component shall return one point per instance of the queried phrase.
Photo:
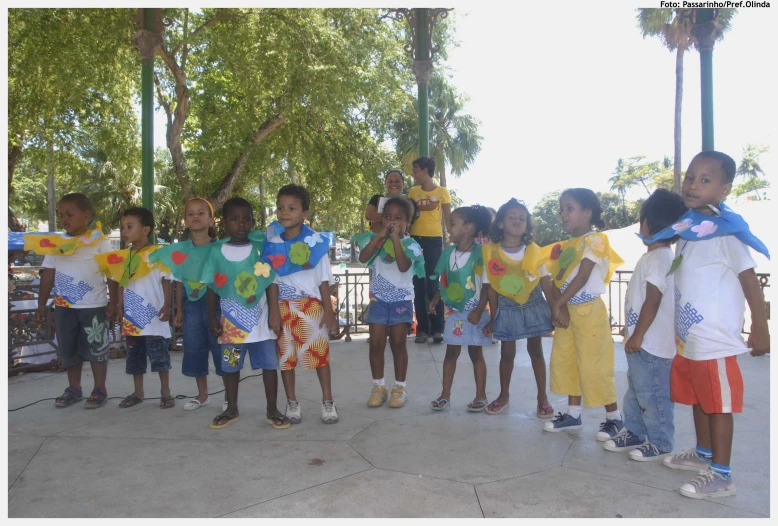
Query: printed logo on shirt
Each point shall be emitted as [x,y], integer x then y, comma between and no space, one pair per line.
[237,321]
[66,292]
[382,289]
[137,315]
[580,297]
[632,317]
[685,317]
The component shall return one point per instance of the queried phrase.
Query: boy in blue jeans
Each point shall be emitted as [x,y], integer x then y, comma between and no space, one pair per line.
[650,344]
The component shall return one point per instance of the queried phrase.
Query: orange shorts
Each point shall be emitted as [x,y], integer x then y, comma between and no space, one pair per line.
[716,385]
[302,337]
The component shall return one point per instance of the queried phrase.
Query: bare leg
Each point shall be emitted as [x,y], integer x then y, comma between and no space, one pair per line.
[287,377]
[325,379]
[74,376]
[702,426]
[507,355]
[202,388]
[449,369]
[479,370]
[535,351]
[721,431]
[164,380]
[398,335]
[377,347]
[270,379]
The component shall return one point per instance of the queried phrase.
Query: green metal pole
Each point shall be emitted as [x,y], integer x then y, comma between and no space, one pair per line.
[147,121]
[423,53]
[706,84]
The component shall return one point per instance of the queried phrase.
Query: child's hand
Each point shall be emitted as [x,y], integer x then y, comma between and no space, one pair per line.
[488,328]
[164,313]
[331,322]
[433,304]
[40,315]
[110,312]
[474,316]
[561,316]
[759,341]
[634,343]
[179,321]
[274,320]
[216,327]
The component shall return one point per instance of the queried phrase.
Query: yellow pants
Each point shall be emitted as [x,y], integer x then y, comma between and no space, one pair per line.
[582,355]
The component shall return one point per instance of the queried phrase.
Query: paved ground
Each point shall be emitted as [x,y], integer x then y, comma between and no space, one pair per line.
[407,462]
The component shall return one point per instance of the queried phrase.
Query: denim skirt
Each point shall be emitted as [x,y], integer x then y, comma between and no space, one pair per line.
[517,322]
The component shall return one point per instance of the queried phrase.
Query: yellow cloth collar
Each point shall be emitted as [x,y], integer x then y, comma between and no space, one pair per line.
[53,244]
[510,278]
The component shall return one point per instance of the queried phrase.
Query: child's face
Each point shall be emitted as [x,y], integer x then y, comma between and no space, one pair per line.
[133,231]
[420,175]
[74,220]
[394,216]
[514,224]
[290,211]
[238,223]
[198,216]
[705,183]
[574,217]
[393,184]
[459,230]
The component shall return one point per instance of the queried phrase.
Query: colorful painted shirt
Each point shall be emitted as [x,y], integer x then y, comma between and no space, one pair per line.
[460,275]
[143,299]
[563,260]
[78,283]
[513,275]
[388,284]
[126,265]
[301,263]
[709,300]
[185,261]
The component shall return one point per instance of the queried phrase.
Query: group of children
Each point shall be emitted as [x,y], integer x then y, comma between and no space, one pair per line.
[263,297]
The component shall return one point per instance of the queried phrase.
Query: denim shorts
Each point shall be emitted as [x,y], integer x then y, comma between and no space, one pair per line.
[263,355]
[155,347]
[390,313]
[199,340]
[82,335]
[518,322]
[459,331]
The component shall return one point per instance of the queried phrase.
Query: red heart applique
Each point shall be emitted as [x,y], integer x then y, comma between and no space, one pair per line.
[45,243]
[556,252]
[219,279]
[277,260]
[113,259]
[178,257]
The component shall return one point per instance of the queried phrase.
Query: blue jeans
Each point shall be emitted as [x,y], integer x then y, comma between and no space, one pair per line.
[425,288]
[199,340]
[648,410]
[263,355]
[390,313]
[155,347]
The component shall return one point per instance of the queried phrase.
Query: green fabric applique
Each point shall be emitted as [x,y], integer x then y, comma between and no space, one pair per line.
[300,253]
[512,284]
[567,257]
[676,263]
[246,285]
[455,292]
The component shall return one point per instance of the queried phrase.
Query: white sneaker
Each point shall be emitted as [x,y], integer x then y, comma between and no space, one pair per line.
[708,485]
[329,413]
[293,412]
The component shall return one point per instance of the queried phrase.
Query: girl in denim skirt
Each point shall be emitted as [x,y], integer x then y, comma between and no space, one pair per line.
[460,271]
[513,268]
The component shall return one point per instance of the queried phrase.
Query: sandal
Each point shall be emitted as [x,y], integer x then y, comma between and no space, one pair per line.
[68,398]
[442,404]
[229,420]
[193,404]
[471,406]
[545,411]
[130,401]
[279,422]
[96,399]
[164,402]
[496,407]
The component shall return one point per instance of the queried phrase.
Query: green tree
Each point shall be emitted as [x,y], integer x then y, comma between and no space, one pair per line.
[674,28]
[617,212]
[751,171]
[547,225]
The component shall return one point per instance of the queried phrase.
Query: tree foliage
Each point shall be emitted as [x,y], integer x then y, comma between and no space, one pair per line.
[750,169]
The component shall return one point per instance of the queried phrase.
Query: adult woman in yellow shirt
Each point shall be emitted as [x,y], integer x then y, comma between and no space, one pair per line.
[433,203]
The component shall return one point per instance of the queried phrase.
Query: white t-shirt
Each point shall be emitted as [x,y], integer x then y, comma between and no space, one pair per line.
[78,282]
[709,301]
[652,267]
[239,323]
[388,284]
[305,283]
[595,285]
[143,299]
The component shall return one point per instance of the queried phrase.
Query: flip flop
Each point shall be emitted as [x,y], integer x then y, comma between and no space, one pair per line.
[483,401]
[496,407]
[443,404]
[97,399]
[163,402]
[214,425]
[124,404]
[193,404]
[68,398]
[545,411]
[278,422]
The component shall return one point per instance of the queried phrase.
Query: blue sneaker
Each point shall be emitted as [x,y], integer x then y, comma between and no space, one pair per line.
[647,452]
[562,422]
[624,441]
[609,429]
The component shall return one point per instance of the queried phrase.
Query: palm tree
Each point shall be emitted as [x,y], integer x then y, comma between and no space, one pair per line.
[674,28]
[619,185]
[751,170]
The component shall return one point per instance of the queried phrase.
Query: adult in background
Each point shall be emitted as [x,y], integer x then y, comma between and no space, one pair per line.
[433,202]
[394,182]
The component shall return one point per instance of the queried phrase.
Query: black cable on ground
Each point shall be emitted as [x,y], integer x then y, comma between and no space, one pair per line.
[177,397]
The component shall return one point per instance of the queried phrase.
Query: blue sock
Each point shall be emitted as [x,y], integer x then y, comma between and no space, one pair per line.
[704,454]
[724,471]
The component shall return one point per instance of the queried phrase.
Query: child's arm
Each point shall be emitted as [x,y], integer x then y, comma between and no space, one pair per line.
[492,294]
[274,318]
[647,314]
[113,300]
[118,316]
[434,301]
[447,214]
[367,252]
[164,312]
[329,320]
[584,271]
[562,317]
[759,339]
[179,321]
[474,316]
[47,283]
[213,300]
[403,261]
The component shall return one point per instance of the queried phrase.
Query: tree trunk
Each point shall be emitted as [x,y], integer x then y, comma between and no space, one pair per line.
[14,225]
[221,194]
[14,154]
[52,196]
[677,127]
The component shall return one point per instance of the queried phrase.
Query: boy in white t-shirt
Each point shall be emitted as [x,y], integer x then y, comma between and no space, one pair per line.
[648,410]
[713,279]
